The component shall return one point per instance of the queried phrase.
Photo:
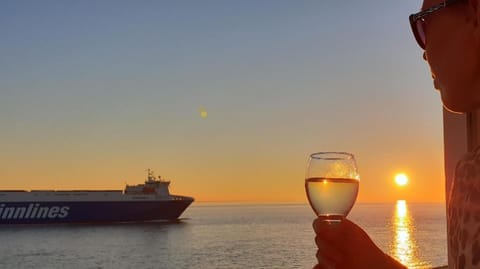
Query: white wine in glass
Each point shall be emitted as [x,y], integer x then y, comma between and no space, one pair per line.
[331,184]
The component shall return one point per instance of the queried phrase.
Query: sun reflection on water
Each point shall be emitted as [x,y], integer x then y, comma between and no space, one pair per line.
[404,247]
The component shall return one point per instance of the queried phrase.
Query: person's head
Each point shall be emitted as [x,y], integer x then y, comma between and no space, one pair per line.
[450,35]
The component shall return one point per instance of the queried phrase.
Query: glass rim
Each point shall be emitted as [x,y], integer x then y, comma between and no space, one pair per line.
[332,155]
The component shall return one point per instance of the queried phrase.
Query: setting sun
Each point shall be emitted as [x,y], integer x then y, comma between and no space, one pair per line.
[401,179]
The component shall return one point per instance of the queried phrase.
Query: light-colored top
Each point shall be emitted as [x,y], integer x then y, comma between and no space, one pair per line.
[464,213]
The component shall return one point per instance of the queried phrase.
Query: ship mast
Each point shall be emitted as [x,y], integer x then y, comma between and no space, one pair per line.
[151,176]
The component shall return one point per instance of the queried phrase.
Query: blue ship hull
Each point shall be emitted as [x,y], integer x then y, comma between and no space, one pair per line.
[90,212]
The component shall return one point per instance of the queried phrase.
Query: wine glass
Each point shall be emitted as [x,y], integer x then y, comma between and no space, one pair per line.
[331,184]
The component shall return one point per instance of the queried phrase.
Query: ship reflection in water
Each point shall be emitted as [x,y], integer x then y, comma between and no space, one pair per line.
[404,247]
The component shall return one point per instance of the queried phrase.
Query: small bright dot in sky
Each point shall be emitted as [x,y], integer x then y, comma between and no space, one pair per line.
[203,112]
[401,179]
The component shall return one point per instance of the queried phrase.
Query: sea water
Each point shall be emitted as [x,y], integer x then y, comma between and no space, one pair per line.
[224,236]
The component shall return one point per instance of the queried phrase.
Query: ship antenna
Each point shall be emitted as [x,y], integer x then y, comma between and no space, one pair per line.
[150,176]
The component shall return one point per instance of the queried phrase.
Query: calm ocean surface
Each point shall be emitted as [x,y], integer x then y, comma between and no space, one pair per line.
[224,236]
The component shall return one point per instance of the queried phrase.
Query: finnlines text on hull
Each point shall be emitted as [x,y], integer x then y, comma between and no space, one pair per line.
[33,211]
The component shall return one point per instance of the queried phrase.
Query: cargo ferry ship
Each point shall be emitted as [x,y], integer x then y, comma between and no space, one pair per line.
[150,201]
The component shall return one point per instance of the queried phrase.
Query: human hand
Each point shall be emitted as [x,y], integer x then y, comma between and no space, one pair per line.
[345,245]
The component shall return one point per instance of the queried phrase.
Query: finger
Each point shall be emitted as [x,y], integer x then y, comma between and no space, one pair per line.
[326,250]
[327,230]
[324,263]
[322,226]
[321,266]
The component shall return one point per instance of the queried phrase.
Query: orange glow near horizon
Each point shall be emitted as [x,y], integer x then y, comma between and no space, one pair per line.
[210,177]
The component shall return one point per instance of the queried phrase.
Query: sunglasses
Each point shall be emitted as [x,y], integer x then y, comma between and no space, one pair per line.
[417,21]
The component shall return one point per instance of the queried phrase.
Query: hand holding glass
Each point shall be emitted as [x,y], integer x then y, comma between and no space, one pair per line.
[331,184]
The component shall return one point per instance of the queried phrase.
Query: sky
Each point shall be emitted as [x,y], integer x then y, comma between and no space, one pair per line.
[225,98]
